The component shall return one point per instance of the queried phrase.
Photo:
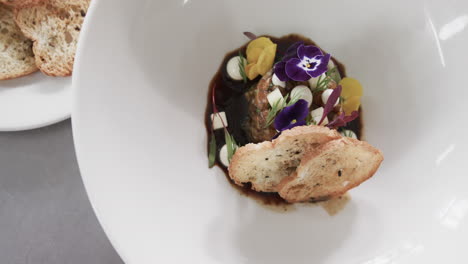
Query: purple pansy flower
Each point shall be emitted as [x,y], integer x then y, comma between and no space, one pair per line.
[292,116]
[280,67]
[308,62]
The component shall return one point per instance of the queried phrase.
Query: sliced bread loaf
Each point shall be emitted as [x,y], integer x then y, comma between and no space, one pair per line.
[54,26]
[331,170]
[264,165]
[16,55]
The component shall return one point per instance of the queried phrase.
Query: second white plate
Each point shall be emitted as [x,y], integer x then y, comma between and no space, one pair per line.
[34,101]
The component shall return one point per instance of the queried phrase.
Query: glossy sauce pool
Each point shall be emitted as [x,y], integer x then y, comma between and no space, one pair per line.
[229,97]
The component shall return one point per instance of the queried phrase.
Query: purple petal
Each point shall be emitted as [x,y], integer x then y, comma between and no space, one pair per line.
[302,109]
[295,71]
[331,102]
[250,35]
[298,123]
[291,52]
[342,120]
[321,68]
[277,135]
[351,117]
[282,120]
[297,111]
[338,122]
[280,71]
[308,52]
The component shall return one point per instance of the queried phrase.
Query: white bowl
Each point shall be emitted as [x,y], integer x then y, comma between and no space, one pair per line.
[141,81]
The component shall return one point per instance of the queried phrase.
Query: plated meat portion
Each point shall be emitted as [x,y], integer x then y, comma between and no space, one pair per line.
[257,127]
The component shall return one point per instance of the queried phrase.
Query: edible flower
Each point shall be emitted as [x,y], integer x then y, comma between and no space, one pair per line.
[351,95]
[307,62]
[260,57]
[342,119]
[292,116]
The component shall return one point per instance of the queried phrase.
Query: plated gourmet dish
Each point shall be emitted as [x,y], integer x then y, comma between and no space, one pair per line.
[285,120]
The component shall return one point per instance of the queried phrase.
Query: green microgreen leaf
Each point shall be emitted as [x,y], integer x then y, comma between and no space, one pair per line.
[334,74]
[309,120]
[322,83]
[230,144]
[242,63]
[275,108]
[293,99]
[212,151]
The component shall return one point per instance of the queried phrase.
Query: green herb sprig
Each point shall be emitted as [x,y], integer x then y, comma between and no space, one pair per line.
[334,74]
[212,151]
[323,82]
[230,144]
[242,63]
[229,140]
[310,120]
[275,108]
[293,99]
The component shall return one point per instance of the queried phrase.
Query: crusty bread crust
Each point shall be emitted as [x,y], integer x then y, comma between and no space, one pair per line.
[21,3]
[331,170]
[265,164]
[16,56]
[54,26]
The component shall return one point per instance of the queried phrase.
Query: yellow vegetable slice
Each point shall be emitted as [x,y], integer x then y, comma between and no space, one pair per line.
[266,59]
[261,54]
[351,93]
[255,48]
[351,104]
[351,87]
[251,71]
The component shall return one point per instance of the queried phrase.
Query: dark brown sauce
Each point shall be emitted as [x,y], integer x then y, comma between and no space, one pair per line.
[230,99]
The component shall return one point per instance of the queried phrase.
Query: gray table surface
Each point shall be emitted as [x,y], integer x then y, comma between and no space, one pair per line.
[45,215]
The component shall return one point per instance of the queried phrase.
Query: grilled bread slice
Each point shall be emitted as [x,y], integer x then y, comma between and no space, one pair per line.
[331,170]
[264,165]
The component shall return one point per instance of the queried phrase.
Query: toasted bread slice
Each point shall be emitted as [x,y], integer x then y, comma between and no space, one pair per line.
[331,170]
[54,26]
[264,165]
[16,55]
